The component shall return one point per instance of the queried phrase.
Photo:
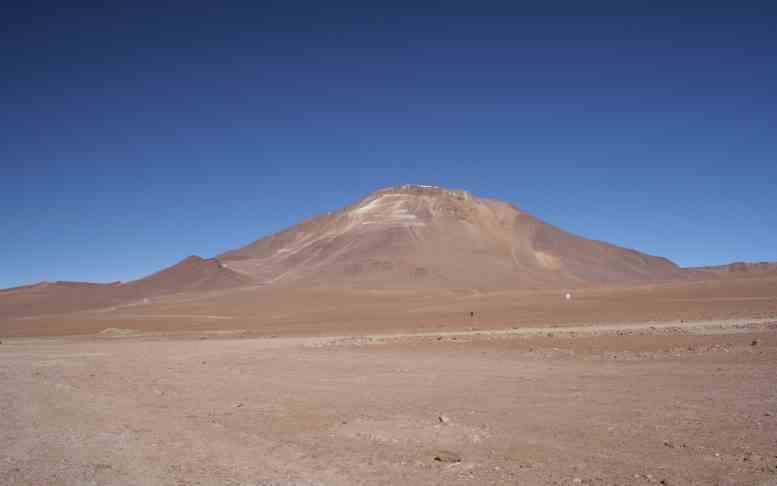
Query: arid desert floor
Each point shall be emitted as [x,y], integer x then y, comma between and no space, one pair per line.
[592,397]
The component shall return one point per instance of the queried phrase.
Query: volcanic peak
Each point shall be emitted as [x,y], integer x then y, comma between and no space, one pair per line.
[424,190]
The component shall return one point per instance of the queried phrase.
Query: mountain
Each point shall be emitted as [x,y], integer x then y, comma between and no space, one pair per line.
[739,270]
[193,274]
[423,236]
[405,237]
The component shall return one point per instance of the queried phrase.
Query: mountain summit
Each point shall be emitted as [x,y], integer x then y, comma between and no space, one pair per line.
[410,236]
[427,236]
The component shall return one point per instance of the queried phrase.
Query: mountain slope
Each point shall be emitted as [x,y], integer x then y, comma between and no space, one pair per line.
[406,237]
[738,270]
[193,274]
[422,236]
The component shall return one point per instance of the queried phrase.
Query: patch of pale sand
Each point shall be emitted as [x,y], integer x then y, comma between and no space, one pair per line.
[116,331]
[720,326]
[548,261]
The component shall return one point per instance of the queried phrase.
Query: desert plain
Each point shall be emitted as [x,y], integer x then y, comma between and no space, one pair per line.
[660,383]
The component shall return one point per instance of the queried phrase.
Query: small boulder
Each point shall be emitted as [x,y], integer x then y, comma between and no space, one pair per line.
[447,457]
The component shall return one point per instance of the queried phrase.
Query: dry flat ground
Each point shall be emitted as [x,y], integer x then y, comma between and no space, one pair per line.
[615,388]
[279,311]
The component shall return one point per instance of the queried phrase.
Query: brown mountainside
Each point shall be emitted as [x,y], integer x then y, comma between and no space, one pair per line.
[739,269]
[422,236]
[192,274]
[406,237]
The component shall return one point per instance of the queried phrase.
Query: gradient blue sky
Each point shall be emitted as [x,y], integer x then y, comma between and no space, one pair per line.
[131,138]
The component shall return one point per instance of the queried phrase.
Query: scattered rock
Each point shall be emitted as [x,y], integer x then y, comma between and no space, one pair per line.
[237,405]
[447,457]
[664,482]
[444,419]
[754,343]
[668,444]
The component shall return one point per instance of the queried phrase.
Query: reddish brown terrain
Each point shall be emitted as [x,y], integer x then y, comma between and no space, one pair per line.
[192,274]
[422,237]
[406,237]
[419,336]
[740,270]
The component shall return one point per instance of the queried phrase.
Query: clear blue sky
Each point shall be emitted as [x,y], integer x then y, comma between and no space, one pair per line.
[131,138]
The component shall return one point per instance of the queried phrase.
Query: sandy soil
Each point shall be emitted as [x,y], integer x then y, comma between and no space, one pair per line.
[623,403]
[669,384]
[278,311]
